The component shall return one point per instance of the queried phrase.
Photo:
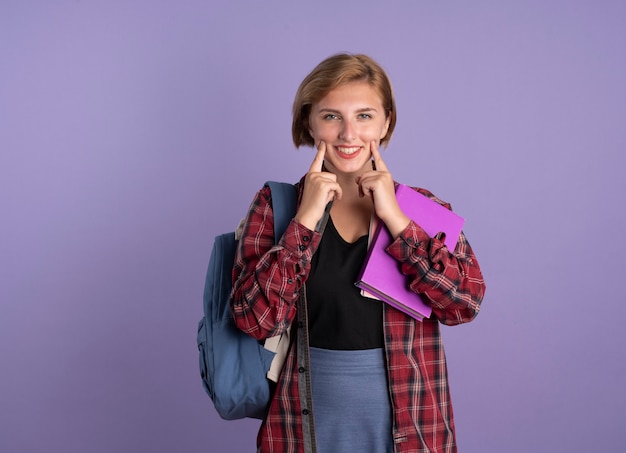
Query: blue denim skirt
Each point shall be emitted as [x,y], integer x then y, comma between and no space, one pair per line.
[351,406]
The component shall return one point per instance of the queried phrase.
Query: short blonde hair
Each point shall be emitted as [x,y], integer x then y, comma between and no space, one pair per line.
[328,75]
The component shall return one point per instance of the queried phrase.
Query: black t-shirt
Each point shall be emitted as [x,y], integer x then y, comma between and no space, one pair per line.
[339,317]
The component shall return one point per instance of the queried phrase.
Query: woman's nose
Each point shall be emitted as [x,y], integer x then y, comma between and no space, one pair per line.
[347,131]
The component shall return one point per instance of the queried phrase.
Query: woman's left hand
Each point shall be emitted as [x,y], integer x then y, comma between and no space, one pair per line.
[378,184]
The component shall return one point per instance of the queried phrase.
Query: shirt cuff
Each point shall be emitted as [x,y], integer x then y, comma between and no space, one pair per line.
[412,241]
[300,241]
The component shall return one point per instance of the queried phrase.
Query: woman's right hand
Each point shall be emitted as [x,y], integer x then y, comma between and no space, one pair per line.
[320,188]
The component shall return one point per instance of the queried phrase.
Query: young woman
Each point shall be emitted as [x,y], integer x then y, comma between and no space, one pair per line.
[359,375]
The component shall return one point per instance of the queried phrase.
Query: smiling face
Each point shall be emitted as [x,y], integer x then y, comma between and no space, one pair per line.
[347,119]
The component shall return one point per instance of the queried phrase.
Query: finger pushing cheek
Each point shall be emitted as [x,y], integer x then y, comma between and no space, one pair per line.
[318,160]
[378,159]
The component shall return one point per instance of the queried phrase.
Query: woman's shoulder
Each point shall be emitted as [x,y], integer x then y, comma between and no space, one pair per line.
[432,196]
[263,196]
[265,190]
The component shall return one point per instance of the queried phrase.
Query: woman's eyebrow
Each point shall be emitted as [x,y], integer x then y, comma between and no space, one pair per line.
[361,110]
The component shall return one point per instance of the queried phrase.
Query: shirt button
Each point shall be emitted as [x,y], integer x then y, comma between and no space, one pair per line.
[302,248]
[301,369]
[306,238]
[305,412]
[290,280]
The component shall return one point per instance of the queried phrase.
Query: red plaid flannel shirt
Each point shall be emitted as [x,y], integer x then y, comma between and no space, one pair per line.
[269,282]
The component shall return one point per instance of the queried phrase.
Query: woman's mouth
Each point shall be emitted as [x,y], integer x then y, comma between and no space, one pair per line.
[348,152]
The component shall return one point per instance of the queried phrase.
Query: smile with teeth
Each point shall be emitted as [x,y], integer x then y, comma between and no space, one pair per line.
[348,149]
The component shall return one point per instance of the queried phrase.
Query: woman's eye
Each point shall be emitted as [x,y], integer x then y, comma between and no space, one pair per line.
[330,116]
[365,116]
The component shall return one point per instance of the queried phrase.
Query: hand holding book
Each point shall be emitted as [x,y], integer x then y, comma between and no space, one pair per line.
[381,276]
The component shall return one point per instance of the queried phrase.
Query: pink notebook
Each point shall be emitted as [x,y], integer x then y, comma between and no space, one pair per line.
[381,277]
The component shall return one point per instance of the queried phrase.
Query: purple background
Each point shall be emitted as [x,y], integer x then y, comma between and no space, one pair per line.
[132,132]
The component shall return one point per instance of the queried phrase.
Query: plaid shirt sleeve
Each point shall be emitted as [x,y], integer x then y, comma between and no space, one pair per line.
[451,281]
[268,278]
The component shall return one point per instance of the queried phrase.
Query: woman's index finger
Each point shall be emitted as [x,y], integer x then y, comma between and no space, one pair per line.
[318,161]
[378,159]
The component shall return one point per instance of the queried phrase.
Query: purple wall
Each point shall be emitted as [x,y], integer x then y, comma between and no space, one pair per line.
[123,126]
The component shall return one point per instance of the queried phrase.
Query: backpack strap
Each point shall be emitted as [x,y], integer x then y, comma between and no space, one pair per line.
[284,201]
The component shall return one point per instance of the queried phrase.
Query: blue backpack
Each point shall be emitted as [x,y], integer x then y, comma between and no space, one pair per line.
[234,365]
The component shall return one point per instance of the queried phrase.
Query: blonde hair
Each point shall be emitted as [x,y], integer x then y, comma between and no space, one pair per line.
[328,75]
